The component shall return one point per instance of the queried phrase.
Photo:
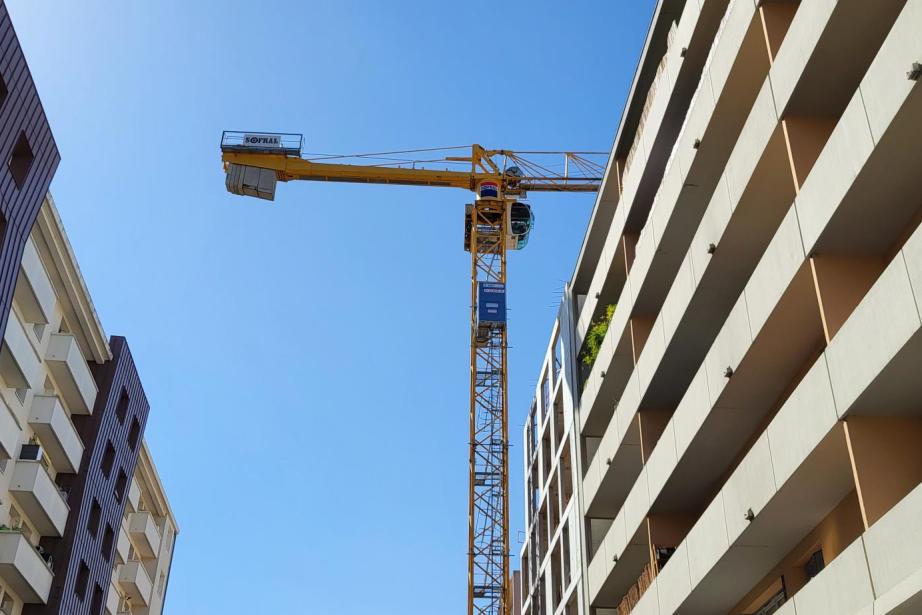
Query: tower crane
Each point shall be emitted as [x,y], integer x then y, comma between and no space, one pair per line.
[498,220]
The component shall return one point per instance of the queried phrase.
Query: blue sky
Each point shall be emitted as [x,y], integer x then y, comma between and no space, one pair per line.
[307,360]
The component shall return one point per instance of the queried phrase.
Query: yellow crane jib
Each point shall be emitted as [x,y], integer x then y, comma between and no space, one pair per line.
[497,221]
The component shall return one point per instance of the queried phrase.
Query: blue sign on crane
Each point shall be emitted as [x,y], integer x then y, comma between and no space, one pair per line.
[491,304]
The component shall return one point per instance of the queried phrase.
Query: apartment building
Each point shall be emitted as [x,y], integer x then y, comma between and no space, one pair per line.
[86,524]
[82,512]
[746,439]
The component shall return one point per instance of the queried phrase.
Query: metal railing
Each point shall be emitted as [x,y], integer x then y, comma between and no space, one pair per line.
[253,141]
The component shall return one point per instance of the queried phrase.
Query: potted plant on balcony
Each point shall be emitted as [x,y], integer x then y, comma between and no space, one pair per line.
[593,342]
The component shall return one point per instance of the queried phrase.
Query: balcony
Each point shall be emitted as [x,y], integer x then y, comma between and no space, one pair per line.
[34,293]
[10,431]
[112,600]
[39,497]
[135,583]
[71,373]
[22,568]
[144,533]
[17,358]
[122,546]
[59,437]
[134,496]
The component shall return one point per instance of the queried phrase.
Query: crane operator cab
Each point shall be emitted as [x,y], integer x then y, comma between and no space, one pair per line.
[519,222]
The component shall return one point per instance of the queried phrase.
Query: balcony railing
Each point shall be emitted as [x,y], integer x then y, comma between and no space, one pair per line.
[773,604]
[650,571]
[636,592]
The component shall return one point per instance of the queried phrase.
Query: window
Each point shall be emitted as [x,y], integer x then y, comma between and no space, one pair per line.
[20,160]
[135,434]
[83,579]
[120,485]
[97,600]
[107,460]
[92,524]
[121,411]
[107,540]
[3,90]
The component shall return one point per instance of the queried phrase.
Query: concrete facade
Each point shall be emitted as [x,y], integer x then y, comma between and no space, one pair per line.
[747,439]
[81,505]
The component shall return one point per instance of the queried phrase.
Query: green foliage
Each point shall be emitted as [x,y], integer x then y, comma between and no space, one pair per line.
[595,336]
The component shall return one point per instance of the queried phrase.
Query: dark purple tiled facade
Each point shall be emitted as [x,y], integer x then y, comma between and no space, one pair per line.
[112,440]
[24,132]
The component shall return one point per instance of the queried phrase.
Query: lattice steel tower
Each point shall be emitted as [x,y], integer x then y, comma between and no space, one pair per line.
[488,540]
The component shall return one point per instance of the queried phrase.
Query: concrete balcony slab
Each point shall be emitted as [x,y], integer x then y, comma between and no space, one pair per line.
[18,361]
[59,437]
[71,373]
[10,431]
[23,569]
[39,497]
[135,583]
[34,293]
[122,546]
[144,533]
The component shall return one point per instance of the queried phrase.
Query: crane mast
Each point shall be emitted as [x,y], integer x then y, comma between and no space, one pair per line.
[497,221]
[489,590]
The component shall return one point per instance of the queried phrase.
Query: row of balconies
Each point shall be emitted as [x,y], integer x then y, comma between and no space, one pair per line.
[650,261]
[690,50]
[138,542]
[19,366]
[25,348]
[22,353]
[773,330]
[809,474]
[691,26]
[52,425]
[27,573]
